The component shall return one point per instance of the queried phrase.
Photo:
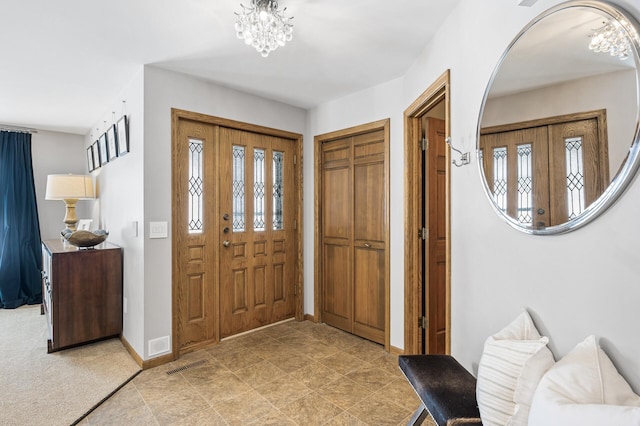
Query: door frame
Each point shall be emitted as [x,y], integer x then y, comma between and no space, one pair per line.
[176,116]
[437,92]
[318,287]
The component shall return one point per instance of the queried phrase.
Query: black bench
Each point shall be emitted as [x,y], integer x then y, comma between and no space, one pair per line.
[447,390]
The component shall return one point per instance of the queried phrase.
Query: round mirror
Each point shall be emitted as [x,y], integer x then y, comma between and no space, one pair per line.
[558,136]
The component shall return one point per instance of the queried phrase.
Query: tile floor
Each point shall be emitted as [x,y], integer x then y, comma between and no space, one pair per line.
[294,373]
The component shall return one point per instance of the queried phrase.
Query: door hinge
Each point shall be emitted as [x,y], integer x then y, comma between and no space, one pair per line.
[295,159]
[423,322]
[422,233]
[295,224]
[424,144]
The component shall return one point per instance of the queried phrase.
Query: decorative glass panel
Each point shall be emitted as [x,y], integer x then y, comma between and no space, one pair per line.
[278,221]
[258,189]
[238,188]
[575,176]
[195,214]
[500,177]
[525,185]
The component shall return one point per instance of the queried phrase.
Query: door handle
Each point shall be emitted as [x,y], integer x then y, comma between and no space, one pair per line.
[226,243]
[367,245]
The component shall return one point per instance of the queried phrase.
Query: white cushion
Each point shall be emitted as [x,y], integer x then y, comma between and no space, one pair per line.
[584,388]
[512,363]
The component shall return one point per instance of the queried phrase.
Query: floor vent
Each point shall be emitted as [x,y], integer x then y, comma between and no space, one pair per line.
[186,367]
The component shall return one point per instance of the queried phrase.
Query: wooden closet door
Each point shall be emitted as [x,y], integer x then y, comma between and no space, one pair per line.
[354,224]
[337,284]
[370,223]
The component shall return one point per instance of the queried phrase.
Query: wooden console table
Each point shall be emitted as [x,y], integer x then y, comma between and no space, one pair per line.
[81,293]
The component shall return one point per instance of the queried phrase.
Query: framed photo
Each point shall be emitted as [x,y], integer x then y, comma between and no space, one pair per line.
[95,150]
[90,163]
[104,149]
[112,142]
[84,225]
[122,132]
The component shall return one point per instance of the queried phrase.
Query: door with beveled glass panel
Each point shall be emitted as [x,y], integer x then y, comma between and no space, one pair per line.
[548,174]
[257,251]
[234,228]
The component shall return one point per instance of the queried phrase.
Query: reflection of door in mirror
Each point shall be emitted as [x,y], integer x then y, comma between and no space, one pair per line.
[546,172]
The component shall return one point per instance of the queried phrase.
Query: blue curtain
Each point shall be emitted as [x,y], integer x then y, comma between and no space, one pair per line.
[20,252]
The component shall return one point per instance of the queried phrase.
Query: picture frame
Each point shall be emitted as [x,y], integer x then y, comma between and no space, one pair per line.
[122,135]
[95,150]
[84,225]
[112,142]
[104,149]
[90,162]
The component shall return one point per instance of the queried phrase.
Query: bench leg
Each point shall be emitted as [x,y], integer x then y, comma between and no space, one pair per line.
[419,416]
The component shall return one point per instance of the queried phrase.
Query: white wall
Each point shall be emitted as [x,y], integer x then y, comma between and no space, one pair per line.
[56,153]
[120,192]
[578,284]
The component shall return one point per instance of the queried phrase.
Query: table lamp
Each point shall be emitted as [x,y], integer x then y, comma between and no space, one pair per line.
[69,188]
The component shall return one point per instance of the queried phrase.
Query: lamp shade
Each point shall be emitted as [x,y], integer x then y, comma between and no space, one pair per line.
[62,187]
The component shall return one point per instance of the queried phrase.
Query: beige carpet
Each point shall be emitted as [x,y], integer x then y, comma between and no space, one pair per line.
[37,388]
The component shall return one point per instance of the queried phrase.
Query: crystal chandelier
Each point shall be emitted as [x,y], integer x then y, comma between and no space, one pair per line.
[263,26]
[613,38]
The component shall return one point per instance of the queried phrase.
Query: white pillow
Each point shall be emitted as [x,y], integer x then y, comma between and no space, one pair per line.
[584,388]
[512,363]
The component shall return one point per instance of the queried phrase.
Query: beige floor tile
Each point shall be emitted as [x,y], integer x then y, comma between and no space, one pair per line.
[283,390]
[177,407]
[311,410]
[342,362]
[370,376]
[244,408]
[315,375]
[344,393]
[346,419]
[379,413]
[259,374]
[207,417]
[295,373]
[400,392]
[226,386]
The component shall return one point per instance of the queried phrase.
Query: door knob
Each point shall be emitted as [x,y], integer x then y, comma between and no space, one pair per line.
[540,211]
[226,243]
[225,216]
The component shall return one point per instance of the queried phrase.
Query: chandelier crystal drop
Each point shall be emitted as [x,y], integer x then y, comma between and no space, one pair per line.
[263,26]
[612,38]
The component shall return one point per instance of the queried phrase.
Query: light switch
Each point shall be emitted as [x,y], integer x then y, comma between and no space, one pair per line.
[158,230]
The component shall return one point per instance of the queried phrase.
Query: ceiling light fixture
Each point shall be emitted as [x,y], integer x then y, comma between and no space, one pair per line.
[263,26]
[613,38]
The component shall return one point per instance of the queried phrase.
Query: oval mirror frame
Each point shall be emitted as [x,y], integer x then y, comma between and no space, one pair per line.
[627,171]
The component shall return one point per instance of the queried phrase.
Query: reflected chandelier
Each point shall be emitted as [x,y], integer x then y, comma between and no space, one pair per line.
[263,26]
[613,38]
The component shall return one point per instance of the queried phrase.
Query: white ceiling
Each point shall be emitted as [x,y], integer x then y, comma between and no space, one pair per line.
[65,61]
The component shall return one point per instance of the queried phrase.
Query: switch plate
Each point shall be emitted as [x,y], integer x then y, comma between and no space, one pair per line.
[158,230]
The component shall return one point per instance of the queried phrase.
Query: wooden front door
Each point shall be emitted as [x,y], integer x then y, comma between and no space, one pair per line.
[236,241]
[257,251]
[546,172]
[435,243]
[354,232]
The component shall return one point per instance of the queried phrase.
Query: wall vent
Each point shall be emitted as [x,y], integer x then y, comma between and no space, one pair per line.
[159,345]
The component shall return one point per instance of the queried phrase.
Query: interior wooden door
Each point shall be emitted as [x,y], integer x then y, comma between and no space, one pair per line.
[337,260]
[257,238]
[354,229]
[194,230]
[435,303]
